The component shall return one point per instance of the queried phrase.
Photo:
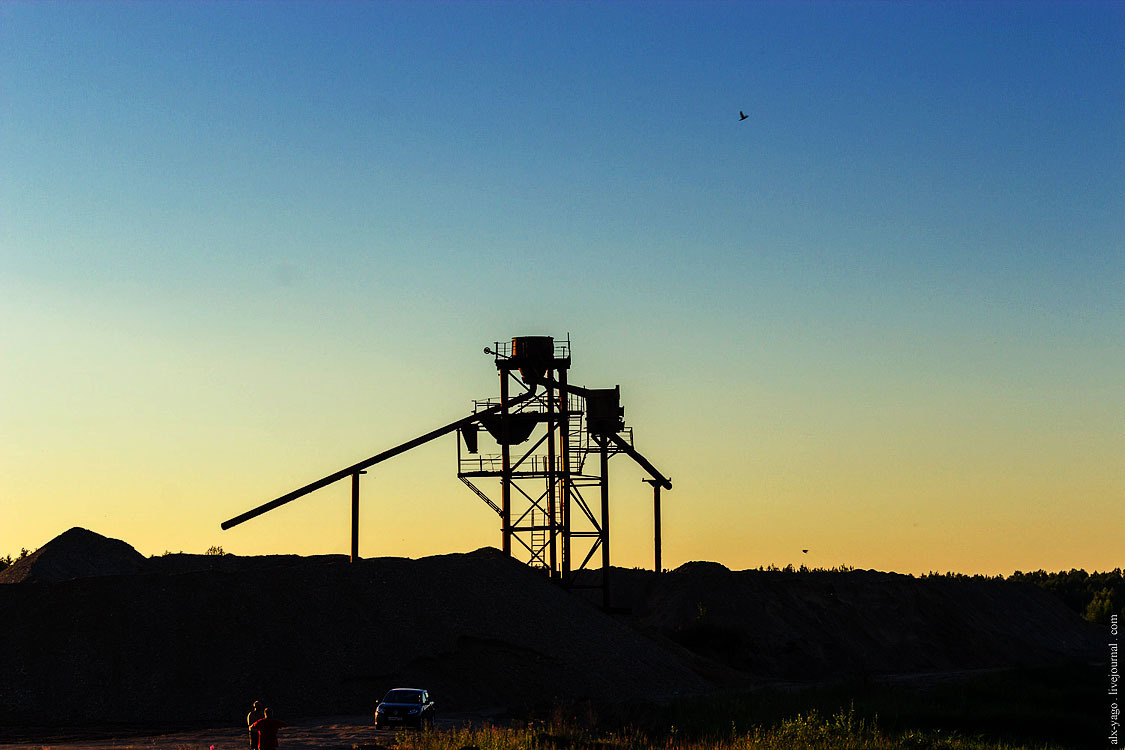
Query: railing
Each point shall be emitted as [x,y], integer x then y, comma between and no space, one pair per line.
[494,464]
[504,349]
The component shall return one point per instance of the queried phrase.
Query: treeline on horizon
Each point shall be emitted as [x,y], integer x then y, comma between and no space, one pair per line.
[1094,596]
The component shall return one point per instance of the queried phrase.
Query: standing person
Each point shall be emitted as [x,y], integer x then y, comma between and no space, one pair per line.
[256,713]
[267,731]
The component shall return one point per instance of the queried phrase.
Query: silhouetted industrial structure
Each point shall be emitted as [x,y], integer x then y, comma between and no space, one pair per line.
[553,500]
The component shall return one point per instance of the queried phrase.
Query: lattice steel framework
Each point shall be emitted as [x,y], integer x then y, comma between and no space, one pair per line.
[553,502]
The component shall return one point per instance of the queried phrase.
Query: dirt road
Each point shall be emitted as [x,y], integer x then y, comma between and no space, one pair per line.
[325,733]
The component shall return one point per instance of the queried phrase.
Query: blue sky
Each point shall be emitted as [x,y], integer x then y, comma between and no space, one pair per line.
[244,244]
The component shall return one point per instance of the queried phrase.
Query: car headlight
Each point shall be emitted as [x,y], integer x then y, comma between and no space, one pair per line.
[378,709]
[413,711]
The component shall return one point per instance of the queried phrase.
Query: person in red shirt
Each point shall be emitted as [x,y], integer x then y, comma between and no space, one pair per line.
[267,731]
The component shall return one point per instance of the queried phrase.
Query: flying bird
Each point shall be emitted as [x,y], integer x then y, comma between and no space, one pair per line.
[742,115]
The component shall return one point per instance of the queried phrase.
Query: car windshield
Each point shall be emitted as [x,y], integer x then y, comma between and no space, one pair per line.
[403,696]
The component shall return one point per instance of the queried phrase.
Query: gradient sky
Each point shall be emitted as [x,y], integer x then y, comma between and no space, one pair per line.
[243,245]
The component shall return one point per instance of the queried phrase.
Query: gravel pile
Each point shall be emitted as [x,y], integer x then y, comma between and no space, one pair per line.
[314,636]
[76,553]
[95,633]
[818,625]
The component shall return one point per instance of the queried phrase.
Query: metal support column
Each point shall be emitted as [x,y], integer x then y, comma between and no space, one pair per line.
[552,486]
[656,486]
[355,516]
[505,471]
[564,479]
[604,443]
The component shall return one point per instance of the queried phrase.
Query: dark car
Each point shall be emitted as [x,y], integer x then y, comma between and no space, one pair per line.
[405,707]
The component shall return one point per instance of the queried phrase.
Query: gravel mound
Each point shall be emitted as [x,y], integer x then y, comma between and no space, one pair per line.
[96,634]
[314,637]
[820,625]
[76,553]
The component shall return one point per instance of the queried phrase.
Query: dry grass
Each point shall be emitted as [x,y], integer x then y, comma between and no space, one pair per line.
[842,731]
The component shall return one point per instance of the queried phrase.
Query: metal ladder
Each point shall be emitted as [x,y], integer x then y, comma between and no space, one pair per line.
[576,436]
[538,538]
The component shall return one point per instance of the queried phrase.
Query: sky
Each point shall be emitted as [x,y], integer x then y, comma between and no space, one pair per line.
[882,319]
